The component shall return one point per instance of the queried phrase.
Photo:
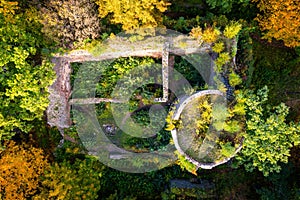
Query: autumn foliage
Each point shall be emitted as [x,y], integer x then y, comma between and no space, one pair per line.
[20,168]
[69,21]
[133,14]
[281,20]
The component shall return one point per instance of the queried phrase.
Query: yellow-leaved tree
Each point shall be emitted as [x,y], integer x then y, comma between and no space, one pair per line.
[132,14]
[281,20]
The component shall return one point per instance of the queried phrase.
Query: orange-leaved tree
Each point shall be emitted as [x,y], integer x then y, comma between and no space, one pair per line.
[20,168]
[281,20]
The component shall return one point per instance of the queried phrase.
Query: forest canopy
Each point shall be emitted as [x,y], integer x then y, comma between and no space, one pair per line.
[254,51]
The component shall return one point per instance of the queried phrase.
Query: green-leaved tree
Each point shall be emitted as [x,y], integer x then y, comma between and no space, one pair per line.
[24,74]
[268,137]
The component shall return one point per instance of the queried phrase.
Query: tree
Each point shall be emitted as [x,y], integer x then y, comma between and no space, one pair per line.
[24,74]
[133,14]
[281,20]
[79,180]
[69,21]
[268,138]
[225,6]
[21,166]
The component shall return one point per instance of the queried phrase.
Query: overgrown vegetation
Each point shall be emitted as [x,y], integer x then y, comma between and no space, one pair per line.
[255,49]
